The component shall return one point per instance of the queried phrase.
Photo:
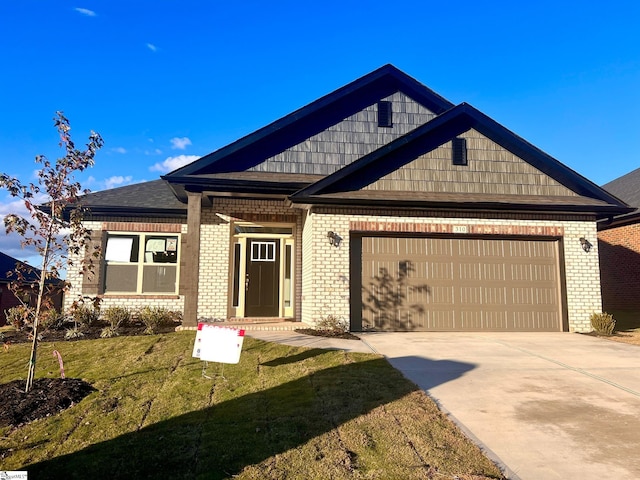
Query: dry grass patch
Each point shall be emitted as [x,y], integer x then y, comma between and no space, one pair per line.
[282,412]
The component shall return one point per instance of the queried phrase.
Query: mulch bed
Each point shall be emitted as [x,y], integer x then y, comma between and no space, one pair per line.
[47,397]
[327,333]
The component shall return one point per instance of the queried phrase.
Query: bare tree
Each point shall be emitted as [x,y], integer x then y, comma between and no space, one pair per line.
[55,227]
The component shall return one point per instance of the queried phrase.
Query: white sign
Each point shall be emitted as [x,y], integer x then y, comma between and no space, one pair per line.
[459,229]
[118,249]
[218,344]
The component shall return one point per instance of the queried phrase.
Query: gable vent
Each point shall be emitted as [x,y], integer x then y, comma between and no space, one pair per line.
[459,151]
[385,114]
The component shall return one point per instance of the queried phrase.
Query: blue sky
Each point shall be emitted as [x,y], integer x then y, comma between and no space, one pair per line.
[167,81]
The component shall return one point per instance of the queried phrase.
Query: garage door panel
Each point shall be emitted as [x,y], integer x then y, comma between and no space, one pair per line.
[460,284]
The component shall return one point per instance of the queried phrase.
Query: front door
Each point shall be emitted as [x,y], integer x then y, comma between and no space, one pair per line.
[262,278]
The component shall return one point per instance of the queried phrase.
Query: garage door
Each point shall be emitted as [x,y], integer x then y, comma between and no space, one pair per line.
[456,284]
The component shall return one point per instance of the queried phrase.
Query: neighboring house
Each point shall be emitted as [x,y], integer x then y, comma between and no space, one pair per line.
[619,244]
[381,203]
[8,299]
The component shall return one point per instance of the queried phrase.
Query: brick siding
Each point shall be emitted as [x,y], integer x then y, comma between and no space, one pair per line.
[620,268]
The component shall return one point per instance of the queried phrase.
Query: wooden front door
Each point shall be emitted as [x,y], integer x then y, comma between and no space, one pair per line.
[262,278]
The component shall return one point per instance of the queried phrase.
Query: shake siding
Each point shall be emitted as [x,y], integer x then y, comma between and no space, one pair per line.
[491,170]
[348,140]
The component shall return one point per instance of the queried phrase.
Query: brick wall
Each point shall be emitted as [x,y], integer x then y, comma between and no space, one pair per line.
[326,280]
[620,268]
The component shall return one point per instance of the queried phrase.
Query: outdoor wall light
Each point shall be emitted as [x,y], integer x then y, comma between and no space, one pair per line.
[334,239]
[586,244]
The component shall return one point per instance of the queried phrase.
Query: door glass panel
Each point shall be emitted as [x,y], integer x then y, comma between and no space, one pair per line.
[263,252]
[287,276]
[236,275]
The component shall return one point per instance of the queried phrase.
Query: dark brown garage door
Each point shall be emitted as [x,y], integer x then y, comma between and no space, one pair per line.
[449,284]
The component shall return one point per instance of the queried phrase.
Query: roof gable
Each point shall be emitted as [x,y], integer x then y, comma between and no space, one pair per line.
[355,178]
[312,119]
[490,169]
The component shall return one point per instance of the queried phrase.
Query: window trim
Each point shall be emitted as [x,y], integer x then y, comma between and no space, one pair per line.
[142,261]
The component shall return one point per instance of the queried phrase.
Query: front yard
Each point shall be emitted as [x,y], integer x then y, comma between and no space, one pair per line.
[282,412]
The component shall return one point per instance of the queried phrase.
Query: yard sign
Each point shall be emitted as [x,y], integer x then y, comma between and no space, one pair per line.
[218,344]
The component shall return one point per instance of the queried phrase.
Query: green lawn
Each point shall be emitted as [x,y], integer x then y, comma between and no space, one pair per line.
[282,412]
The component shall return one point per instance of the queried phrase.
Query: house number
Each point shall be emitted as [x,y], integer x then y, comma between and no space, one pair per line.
[459,229]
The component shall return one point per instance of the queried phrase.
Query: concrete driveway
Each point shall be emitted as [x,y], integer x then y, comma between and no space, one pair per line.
[544,405]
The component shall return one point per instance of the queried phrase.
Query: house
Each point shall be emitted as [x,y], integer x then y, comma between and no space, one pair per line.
[8,299]
[619,244]
[381,202]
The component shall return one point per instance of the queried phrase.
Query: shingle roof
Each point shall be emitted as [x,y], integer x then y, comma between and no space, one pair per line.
[627,188]
[154,197]
[8,264]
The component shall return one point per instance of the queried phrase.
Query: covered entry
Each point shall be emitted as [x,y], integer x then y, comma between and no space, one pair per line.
[262,270]
[456,284]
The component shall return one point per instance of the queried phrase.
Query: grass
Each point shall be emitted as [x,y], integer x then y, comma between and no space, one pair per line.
[282,412]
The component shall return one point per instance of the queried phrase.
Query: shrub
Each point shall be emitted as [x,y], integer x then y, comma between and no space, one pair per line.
[19,317]
[333,324]
[85,315]
[72,333]
[155,317]
[603,323]
[117,316]
[51,319]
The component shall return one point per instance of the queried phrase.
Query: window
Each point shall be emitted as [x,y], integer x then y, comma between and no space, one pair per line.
[141,263]
[385,114]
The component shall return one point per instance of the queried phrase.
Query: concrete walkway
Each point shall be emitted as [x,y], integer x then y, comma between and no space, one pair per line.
[542,405]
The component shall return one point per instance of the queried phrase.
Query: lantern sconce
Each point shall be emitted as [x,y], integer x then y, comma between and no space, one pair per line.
[586,244]
[334,239]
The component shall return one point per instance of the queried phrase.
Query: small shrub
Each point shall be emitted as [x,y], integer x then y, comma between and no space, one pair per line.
[84,315]
[117,316]
[109,332]
[333,324]
[51,319]
[603,323]
[72,333]
[155,317]
[19,317]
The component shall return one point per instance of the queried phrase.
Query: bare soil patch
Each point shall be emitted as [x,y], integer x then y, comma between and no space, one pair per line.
[48,396]
[327,333]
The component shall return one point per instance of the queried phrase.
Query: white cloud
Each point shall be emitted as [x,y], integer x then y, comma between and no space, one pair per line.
[155,151]
[11,205]
[86,12]
[152,47]
[119,150]
[178,143]
[172,163]
[116,181]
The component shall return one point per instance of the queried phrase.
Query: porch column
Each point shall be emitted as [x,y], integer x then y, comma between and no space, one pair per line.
[191,270]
